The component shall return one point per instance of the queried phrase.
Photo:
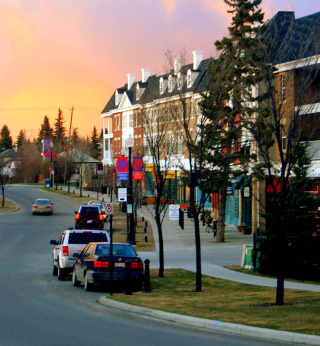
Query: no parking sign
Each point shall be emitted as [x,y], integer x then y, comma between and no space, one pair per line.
[109,208]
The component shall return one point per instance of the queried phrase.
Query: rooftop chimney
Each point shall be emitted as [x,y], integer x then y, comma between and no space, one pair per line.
[131,78]
[197,58]
[145,74]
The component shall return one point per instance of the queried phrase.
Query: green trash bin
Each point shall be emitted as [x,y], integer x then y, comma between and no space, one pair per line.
[247,257]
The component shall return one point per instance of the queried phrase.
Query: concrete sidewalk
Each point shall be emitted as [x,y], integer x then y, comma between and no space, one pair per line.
[179,252]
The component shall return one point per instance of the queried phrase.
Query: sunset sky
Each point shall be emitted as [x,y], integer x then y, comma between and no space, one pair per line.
[75,53]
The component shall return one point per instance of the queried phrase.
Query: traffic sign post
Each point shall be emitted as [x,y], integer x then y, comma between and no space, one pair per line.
[109,208]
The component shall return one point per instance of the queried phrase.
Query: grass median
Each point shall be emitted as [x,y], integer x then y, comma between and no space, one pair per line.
[228,301]
[8,206]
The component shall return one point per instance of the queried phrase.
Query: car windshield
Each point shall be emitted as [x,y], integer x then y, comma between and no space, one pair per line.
[42,202]
[117,250]
[97,203]
[86,237]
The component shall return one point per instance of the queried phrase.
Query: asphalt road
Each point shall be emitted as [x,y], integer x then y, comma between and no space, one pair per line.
[37,309]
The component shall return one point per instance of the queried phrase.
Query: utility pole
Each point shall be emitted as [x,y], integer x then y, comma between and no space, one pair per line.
[68,147]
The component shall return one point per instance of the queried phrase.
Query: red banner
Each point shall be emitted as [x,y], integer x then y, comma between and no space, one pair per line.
[122,168]
[137,168]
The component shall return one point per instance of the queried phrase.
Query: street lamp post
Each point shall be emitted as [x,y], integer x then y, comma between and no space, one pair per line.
[52,172]
[131,235]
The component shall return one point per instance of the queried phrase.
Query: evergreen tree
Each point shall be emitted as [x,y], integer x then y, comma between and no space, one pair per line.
[21,139]
[59,134]
[6,141]
[231,82]
[95,150]
[45,131]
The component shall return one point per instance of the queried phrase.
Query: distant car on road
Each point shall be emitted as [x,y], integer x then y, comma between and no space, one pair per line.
[70,243]
[102,207]
[93,265]
[90,217]
[42,206]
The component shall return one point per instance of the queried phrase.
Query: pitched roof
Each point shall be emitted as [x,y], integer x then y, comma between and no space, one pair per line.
[296,38]
[9,153]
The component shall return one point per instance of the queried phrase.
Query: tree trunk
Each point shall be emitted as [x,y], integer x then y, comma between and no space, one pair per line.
[197,238]
[221,214]
[160,235]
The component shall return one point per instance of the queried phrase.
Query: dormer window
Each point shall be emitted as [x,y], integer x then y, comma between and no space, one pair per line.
[189,79]
[162,85]
[170,84]
[180,81]
[138,91]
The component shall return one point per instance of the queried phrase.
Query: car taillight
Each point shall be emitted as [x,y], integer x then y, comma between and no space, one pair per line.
[77,216]
[65,251]
[101,217]
[35,206]
[48,207]
[101,264]
[136,265]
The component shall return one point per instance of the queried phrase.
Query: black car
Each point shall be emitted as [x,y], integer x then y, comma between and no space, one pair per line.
[89,217]
[93,265]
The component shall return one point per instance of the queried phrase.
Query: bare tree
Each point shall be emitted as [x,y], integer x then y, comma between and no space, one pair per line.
[4,178]
[159,150]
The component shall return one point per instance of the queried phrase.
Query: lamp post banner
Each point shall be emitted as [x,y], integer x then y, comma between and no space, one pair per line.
[137,168]
[123,168]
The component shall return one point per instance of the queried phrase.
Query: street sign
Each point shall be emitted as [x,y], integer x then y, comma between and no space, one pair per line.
[109,208]
[122,194]
[129,208]
[174,211]
[50,169]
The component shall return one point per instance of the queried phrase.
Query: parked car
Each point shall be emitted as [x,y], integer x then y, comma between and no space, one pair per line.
[42,206]
[67,248]
[93,265]
[89,216]
[102,207]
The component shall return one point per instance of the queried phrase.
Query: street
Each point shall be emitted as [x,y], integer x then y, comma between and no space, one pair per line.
[38,309]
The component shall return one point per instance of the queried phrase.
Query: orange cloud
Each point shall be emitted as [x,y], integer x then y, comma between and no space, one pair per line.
[169,6]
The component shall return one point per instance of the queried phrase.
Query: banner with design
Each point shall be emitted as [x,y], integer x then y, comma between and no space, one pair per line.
[137,168]
[122,168]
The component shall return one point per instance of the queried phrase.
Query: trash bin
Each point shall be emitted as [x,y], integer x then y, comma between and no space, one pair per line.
[247,257]
[103,189]
[47,183]
[189,212]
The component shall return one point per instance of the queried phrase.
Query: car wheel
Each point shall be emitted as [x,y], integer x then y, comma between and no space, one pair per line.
[54,271]
[75,281]
[61,273]
[87,285]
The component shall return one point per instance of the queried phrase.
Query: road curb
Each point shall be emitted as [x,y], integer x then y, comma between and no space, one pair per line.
[225,327]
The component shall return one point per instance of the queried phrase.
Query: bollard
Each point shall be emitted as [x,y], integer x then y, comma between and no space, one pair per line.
[142,218]
[145,230]
[146,238]
[88,195]
[73,191]
[127,282]
[147,286]
[146,224]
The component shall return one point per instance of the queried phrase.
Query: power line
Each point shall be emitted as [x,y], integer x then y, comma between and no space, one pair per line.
[24,109]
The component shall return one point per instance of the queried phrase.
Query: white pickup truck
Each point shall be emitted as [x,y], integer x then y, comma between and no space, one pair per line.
[72,241]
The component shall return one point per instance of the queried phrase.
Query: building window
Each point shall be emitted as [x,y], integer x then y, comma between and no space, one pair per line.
[179,144]
[283,87]
[170,144]
[117,122]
